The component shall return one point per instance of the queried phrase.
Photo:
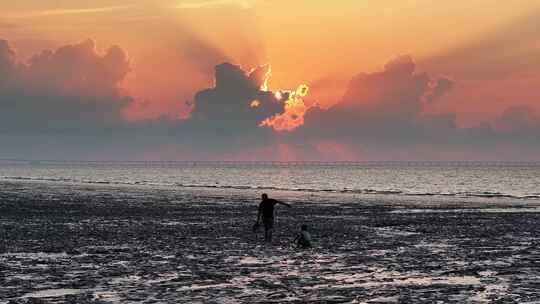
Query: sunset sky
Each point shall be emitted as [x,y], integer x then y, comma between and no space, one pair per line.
[332,80]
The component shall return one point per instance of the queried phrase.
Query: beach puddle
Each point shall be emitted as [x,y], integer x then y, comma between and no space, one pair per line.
[391,232]
[51,293]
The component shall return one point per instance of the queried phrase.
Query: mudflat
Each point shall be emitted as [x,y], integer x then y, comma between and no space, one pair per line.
[75,243]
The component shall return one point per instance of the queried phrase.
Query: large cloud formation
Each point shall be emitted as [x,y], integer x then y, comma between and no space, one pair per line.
[70,87]
[67,98]
[382,115]
[388,103]
[237,102]
[226,117]
[69,103]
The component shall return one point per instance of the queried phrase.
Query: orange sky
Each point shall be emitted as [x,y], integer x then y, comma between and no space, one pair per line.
[173,45]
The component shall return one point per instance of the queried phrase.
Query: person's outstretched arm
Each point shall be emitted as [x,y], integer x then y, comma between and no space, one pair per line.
[284,204]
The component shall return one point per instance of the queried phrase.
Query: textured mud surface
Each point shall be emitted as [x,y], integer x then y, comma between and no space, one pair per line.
[80,244]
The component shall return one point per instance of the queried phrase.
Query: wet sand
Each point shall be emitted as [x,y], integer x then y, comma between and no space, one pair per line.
[62,243]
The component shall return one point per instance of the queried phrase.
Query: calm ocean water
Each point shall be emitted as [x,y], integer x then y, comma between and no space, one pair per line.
[457,181]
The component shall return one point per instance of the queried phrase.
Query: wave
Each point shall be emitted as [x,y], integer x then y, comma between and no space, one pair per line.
[485,194]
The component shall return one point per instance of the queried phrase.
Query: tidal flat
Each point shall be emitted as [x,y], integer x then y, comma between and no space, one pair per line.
[76,243]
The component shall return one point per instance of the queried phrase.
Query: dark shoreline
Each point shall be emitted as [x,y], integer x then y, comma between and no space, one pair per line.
[102,244]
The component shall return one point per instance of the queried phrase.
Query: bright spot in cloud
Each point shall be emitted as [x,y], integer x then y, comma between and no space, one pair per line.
[255,104]
[295,109]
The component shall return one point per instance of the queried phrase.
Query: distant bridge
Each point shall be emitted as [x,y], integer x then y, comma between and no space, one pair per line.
[279,163]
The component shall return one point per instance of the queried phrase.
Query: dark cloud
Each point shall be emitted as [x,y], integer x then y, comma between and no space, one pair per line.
[71,87]
[327,90]
[438,88]
[397,91]
[519,119]
[383,115]
[231,111]
[7,63]
[230,101]
[396,95]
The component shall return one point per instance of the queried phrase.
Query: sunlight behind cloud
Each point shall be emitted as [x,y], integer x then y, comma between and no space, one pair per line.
[295,109]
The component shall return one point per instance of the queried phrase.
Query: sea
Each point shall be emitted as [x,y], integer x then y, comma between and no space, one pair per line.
[519,181]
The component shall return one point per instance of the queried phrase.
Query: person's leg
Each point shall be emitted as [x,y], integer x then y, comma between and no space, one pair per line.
[269,239]
[268,227]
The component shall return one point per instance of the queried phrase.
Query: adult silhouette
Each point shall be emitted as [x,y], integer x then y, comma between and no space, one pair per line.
[266,215]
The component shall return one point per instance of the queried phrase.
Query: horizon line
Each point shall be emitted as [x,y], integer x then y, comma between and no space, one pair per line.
[287,162]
